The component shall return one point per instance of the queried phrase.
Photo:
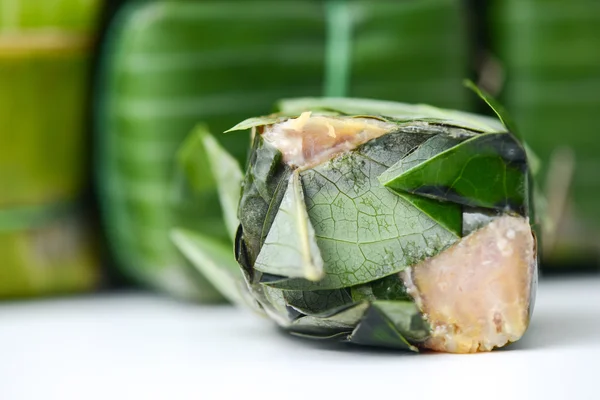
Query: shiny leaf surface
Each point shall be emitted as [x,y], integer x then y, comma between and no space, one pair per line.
[485,171]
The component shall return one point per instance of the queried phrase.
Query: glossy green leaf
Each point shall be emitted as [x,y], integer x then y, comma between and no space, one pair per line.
[214,259]
[363,230]
[486,171]
[445,213]
[424,152]
[290,248]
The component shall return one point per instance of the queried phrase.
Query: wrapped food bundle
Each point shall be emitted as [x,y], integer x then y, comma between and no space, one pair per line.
[548,51]
[170,65]
[384,224]
[45,242]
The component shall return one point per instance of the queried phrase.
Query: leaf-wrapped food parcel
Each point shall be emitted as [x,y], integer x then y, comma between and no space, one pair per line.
[403,231]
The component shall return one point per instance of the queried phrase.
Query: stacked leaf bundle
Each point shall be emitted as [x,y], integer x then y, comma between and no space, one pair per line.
[170,65]
[44,61]
[382,224]
[549,50]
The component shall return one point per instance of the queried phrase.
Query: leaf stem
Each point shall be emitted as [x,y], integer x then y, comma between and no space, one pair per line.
[337,48]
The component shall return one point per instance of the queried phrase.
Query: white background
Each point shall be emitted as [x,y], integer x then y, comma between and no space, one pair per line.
[139,346]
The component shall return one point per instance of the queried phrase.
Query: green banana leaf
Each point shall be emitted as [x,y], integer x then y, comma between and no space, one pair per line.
[45,51]
[169,65]
[548,50]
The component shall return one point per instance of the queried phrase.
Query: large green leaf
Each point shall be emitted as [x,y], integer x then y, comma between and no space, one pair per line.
[489,170]
[290,248]
[364,231]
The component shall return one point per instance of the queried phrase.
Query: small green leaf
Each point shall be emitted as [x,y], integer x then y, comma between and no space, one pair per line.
[502,114]
[424,152]
[257,121]
[488,171]
[214,260]
[445,213]
[407,318]
[343,321]
[318,301]
[290,248]
[228,175]
[378,329]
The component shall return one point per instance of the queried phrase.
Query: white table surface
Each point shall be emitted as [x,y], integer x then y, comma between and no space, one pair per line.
[139,346]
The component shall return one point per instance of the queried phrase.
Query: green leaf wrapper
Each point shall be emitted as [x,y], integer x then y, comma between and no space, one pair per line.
[337,247]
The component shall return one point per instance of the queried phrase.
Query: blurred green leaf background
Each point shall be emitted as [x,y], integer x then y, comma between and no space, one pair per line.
[97,98]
